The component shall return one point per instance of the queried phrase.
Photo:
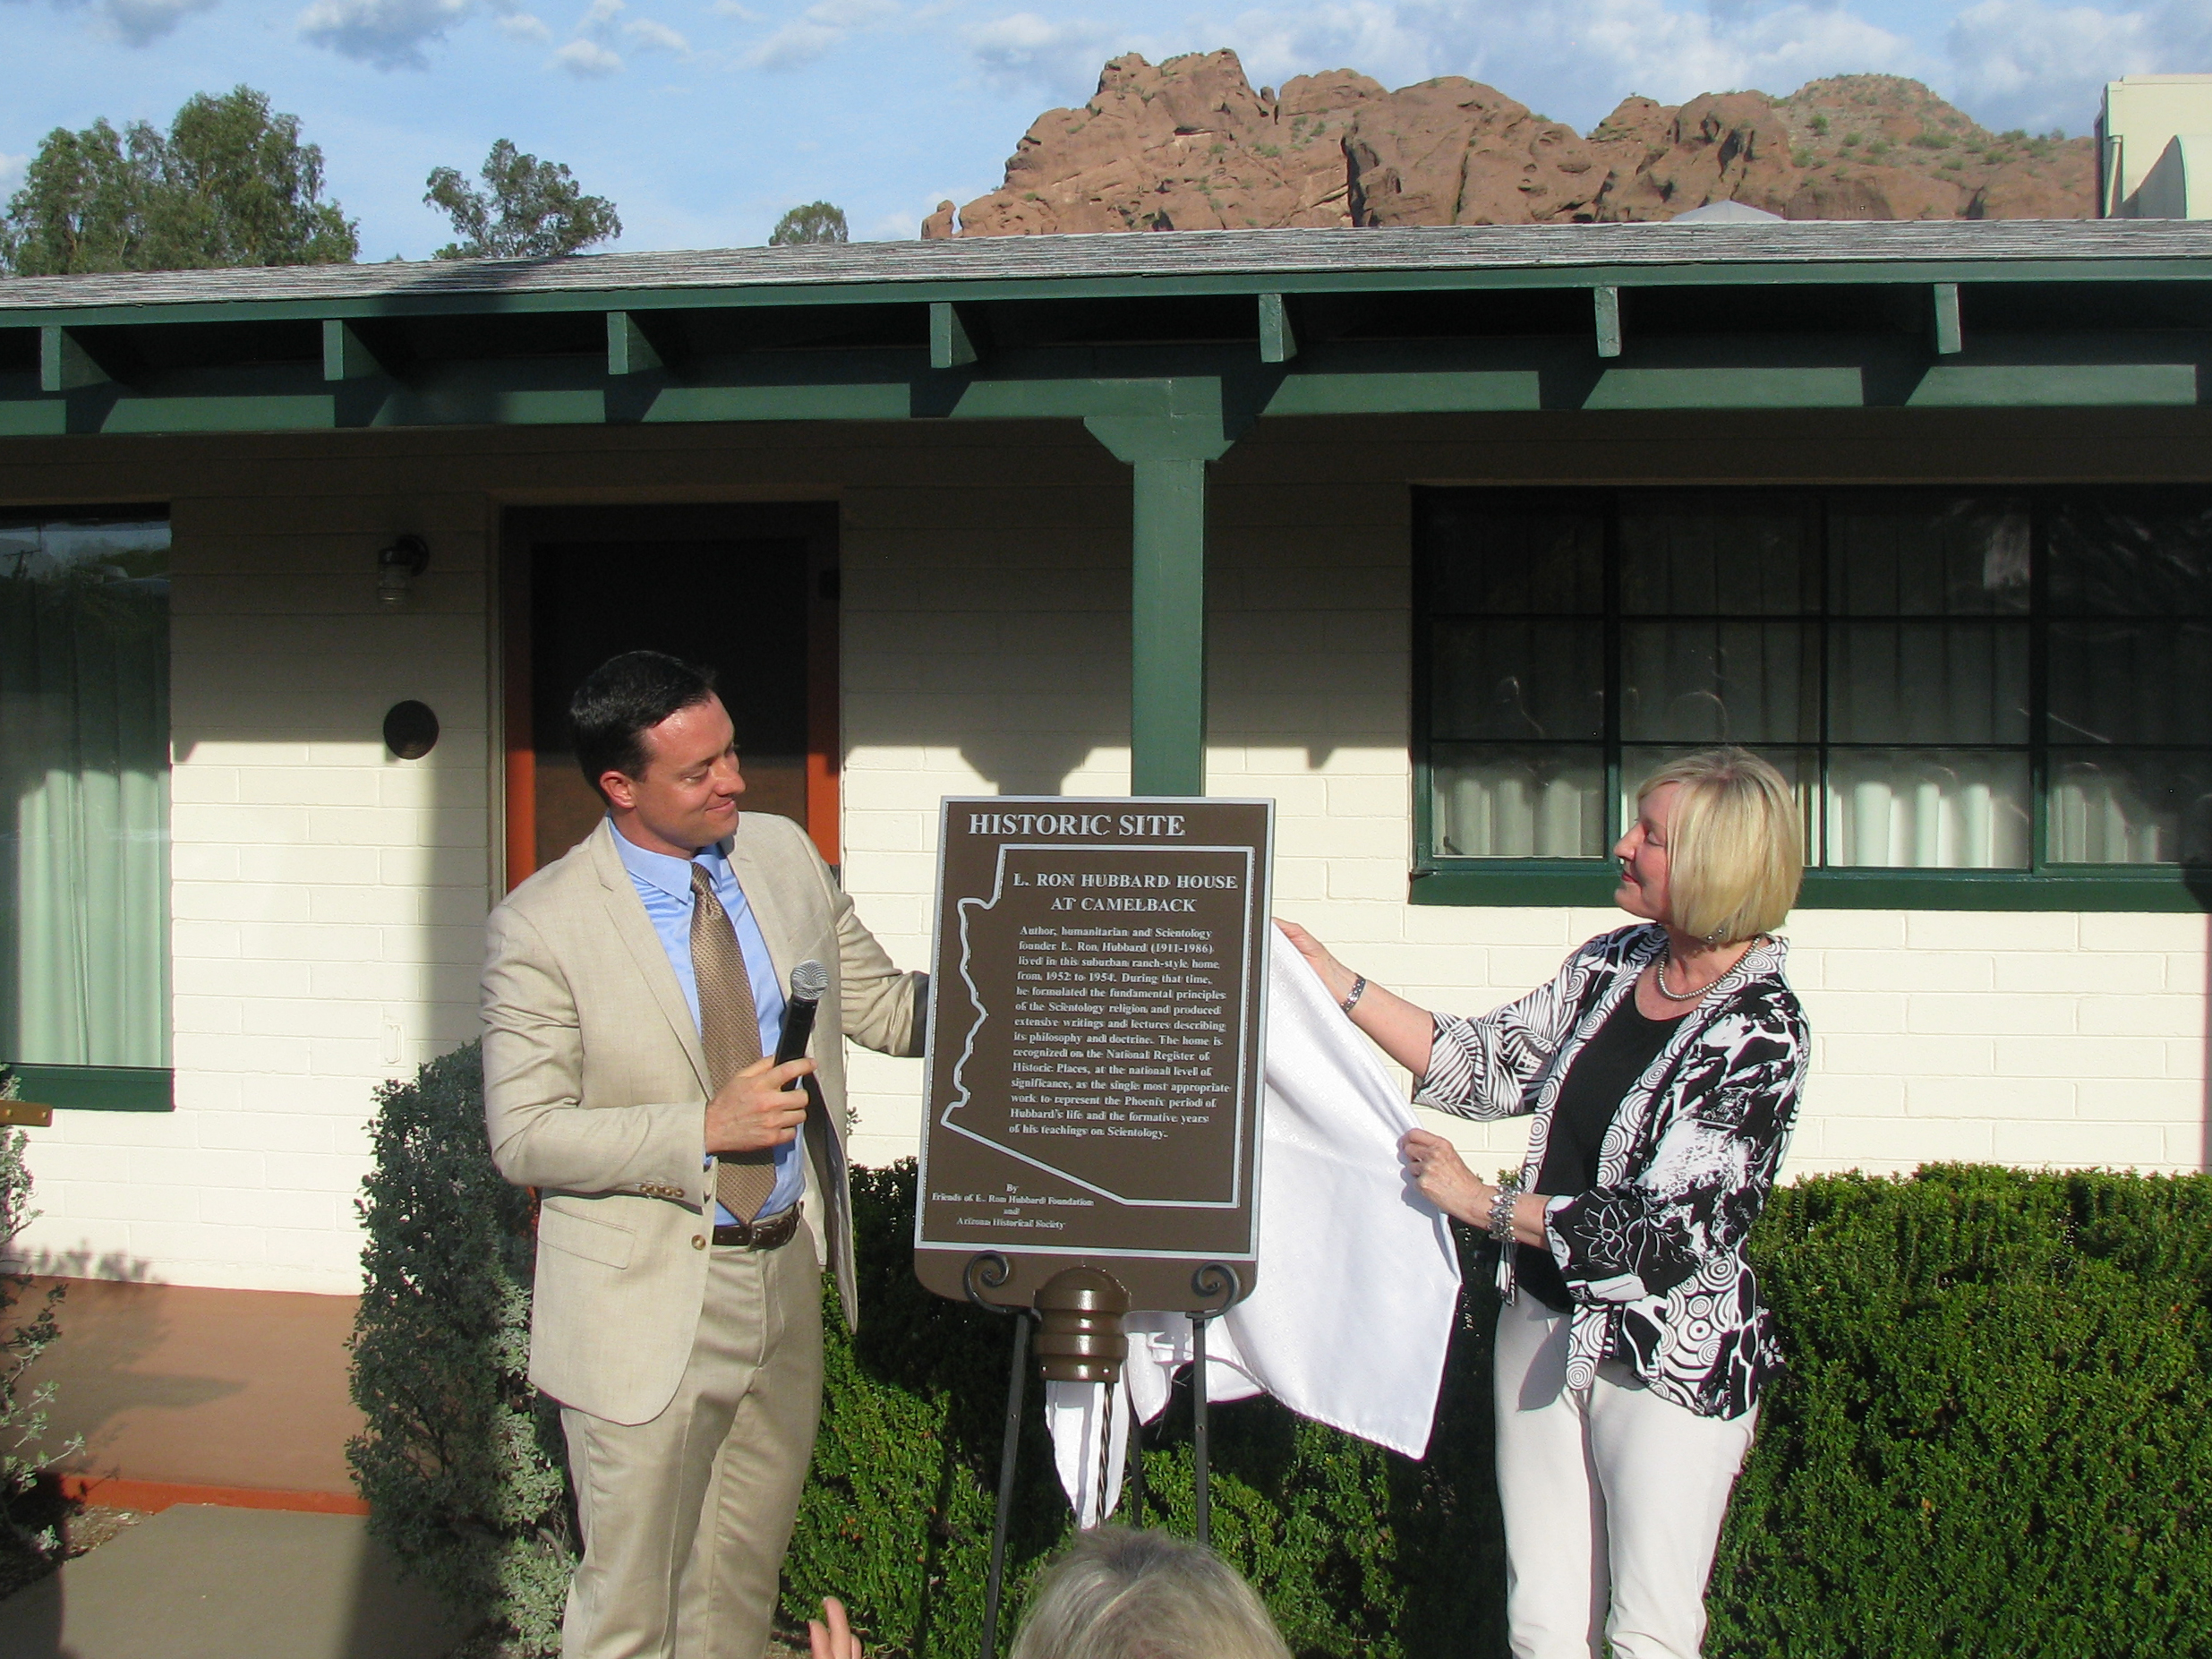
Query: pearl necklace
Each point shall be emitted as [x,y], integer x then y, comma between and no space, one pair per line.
[1659,979]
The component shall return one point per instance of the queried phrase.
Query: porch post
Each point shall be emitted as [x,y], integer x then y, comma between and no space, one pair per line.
[1167,454]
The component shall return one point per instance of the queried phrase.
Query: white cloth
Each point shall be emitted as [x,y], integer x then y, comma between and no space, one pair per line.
[1358,1278]
[1613,1497]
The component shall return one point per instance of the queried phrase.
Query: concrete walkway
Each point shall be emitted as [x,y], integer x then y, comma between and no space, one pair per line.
[198,1582]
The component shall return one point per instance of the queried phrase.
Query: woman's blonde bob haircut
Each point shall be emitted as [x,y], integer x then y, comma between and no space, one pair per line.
[1735,844]
[1123,1594]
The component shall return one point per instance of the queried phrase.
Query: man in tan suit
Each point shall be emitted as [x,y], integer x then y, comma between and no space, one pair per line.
[690,1195]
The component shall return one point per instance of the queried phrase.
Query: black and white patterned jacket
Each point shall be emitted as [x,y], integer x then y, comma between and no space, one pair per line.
[1653,1254]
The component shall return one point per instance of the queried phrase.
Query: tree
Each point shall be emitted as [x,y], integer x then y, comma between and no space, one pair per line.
[229,184]
[527,210]
[816,221]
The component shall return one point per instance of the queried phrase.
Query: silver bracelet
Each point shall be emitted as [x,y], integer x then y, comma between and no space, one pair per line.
[1359,989]
[1501,1209]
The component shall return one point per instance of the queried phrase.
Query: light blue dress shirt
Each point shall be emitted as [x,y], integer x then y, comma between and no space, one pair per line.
[664,885]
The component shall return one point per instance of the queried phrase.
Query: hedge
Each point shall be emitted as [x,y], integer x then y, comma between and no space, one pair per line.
[1994,1436]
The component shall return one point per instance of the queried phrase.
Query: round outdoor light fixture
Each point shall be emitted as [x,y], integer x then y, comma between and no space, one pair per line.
[410,730]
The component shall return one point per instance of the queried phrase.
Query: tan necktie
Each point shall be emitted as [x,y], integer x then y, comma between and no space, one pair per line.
[730,1031]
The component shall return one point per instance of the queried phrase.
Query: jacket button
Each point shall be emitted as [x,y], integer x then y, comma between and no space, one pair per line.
[699,1241]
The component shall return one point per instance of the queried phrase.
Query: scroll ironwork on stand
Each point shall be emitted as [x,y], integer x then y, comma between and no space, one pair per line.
[988,1270]
[1217,1287]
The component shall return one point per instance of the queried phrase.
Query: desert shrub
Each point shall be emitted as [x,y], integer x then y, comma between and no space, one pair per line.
[461,1463]
[29,1540]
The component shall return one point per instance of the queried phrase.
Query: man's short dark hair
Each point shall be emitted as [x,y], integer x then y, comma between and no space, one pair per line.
[621,700]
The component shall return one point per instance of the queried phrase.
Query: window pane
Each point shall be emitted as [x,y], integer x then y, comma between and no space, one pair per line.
[2111,806]
[2145,557]
[2130,682]
[1924,556]
[84,777]
[1502,801]
[1927,809]
[1928,682]
[1716,682]
[1517,681]
[1712,556]
[1800,767]
[1490,554]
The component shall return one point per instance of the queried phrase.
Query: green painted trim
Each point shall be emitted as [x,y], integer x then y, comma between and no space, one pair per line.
[26,418]
[1943,329]
[313,412]
[1605,305]
[1589,884]
[949,345]
[1779,274]
[628,350]
[345,355]
[64,363]
[96,1088]
[1278,341]
[2054,385]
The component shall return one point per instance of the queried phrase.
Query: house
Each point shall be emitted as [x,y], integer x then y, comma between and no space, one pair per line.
[2155,148]
[1439,537]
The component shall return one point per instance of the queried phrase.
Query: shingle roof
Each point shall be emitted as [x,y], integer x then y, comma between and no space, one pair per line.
[1222,253]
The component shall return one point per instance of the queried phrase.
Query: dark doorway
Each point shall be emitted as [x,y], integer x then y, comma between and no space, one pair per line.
[749,590]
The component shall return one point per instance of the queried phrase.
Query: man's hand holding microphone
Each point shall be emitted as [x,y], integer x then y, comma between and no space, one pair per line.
[761,1106]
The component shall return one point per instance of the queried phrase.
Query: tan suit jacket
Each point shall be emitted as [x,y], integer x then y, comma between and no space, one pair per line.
[595,1091]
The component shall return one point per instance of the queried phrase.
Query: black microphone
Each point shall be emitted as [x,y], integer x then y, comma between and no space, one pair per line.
[810,981]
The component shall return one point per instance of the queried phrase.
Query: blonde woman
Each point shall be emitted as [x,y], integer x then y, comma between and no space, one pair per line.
[1663,1067]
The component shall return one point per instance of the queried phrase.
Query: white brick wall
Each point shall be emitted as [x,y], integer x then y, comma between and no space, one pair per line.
[328,900]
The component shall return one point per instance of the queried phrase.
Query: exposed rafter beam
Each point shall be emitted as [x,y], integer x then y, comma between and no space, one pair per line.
[345,355]
[1278,342]
[1606,303]
[1943,329]
[950,345]
[64,364]
[631,350]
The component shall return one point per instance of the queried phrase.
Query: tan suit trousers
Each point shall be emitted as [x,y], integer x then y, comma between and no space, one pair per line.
[686,1517]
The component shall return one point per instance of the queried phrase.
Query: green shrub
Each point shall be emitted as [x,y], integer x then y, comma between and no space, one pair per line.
[461,1463]
[29,1541]
[1995,1436]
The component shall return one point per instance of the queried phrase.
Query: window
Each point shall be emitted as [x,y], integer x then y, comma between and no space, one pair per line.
[1983,697]
[84,808]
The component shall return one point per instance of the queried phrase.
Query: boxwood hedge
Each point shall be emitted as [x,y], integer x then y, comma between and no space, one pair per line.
[1995,1435]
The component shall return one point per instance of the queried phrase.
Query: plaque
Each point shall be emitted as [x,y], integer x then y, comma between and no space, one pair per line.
[1094,1050]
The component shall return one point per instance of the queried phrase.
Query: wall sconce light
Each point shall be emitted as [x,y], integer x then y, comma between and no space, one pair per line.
[397,566]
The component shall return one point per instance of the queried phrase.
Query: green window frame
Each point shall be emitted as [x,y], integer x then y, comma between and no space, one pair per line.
[1549,623]
[85,1014]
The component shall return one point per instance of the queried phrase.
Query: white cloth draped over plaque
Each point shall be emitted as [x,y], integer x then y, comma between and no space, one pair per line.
[1358,1278]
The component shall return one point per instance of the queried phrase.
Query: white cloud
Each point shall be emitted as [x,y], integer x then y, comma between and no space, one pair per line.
[2021,63]
[652,37]
[1027,50]
[598,15]
[11,172]
[819,28]
[588,59]
[522,26]
[391,34]
[731,8]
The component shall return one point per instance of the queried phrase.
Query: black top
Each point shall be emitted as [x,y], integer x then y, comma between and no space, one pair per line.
[1597,1081]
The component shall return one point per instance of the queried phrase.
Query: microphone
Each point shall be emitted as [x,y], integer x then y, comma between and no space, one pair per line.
[810,981]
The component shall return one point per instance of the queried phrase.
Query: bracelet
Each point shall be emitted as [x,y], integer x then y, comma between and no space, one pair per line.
[1501,1209]
[1359,989]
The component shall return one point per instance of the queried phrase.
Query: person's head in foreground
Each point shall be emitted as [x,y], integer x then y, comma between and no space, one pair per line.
[1123,1594]
[1716,850]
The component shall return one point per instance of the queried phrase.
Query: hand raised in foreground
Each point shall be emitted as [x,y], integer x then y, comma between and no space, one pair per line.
[758,1108]
[834,1639]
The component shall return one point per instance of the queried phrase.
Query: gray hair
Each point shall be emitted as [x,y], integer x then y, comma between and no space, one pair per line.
[1123,1594]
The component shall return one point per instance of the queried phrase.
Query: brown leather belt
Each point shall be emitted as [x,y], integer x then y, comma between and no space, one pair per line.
[767,1233]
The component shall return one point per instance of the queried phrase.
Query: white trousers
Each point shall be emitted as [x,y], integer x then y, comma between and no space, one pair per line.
[1613,1501]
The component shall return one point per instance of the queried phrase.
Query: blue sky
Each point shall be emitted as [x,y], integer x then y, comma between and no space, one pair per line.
[704,119]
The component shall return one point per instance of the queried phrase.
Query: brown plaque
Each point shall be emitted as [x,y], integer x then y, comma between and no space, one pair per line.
[1095,1047]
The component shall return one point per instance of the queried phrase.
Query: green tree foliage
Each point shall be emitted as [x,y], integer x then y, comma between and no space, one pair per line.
[27,1537]
[816,222]
[461,1463]
[228,184]
[1995,1435]
[528,208]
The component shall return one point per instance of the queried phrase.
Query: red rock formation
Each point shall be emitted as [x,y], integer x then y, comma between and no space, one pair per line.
[1188,145]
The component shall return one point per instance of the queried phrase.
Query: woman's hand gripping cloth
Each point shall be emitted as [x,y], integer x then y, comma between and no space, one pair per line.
[1358,1277]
